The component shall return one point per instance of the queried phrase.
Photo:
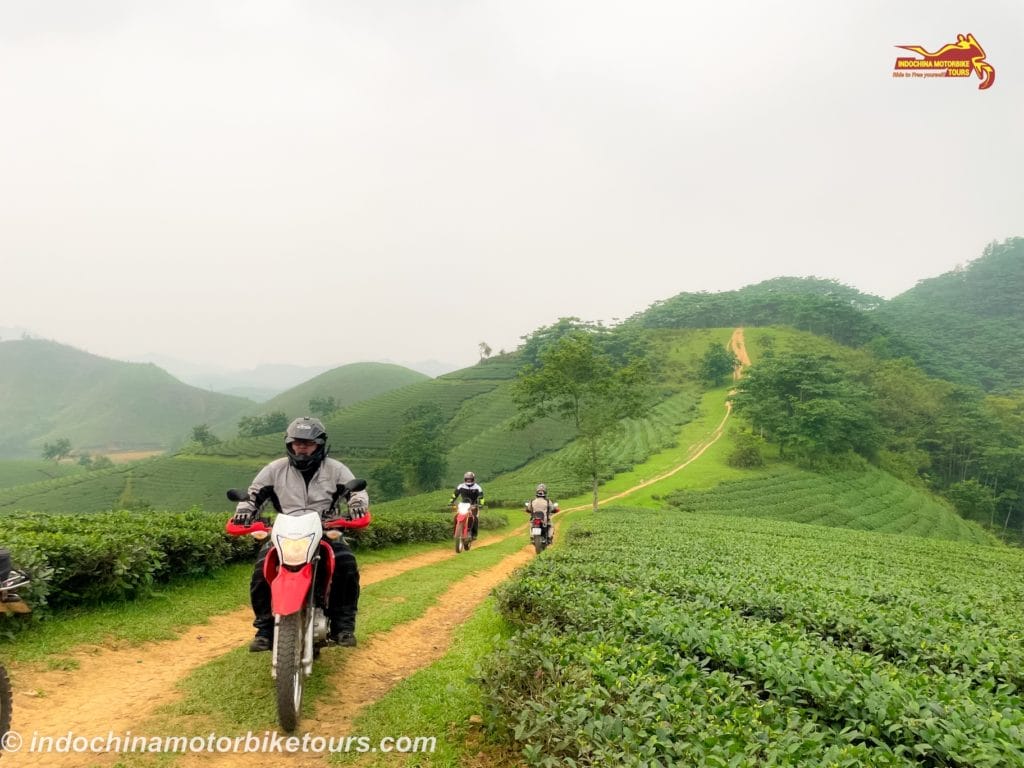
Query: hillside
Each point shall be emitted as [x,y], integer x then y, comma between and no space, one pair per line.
[50,391]
[967,325]
[346,384]
[823,307]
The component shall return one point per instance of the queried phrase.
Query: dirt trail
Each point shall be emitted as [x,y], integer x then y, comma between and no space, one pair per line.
[53,702]
[695,451]
[371,670]
[146,675]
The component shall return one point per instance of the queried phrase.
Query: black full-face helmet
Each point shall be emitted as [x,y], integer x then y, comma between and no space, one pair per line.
[469,478]
[306,428]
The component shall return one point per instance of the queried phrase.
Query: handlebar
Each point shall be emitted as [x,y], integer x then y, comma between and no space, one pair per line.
[233,529]
[340,522]
[261,526]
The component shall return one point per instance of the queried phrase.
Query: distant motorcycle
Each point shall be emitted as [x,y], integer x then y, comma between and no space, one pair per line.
[540,528]
[297,598]
[463,526]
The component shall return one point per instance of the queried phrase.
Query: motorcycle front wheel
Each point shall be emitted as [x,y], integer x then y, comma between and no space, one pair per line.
[289,669]
[5,704]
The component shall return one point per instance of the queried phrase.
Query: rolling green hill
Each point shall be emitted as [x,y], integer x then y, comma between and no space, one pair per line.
[967,325]
[50,391]
[346,384]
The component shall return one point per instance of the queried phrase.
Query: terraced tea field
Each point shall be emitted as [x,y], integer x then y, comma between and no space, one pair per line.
[663,638]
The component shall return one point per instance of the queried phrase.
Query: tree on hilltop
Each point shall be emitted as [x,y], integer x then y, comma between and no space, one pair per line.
[577,380]
[717,364]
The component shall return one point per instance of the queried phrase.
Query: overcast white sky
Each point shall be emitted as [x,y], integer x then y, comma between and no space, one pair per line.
[323,182]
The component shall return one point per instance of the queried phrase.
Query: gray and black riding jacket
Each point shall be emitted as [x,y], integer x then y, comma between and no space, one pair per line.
[470,492]
[286,488]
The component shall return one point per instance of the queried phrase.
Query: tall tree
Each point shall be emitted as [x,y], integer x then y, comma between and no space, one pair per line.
[201,434]
[578,381]
[57,450]
[717,364]
[419,450]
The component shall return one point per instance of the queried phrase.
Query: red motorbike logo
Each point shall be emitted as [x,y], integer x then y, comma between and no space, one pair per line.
[959,59]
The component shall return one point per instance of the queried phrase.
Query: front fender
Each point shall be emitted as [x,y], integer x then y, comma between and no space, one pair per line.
[289,589]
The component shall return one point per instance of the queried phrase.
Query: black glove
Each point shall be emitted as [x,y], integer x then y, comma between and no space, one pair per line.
[244,517]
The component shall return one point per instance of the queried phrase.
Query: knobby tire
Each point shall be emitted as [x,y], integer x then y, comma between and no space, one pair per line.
[289,669]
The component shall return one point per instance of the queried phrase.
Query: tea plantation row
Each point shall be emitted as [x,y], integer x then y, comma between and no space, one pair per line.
[658,638]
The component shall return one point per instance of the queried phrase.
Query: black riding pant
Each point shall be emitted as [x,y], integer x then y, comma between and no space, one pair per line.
[342,601]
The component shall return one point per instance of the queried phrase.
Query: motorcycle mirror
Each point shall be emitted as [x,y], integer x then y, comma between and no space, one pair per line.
[355,484]
[236,495]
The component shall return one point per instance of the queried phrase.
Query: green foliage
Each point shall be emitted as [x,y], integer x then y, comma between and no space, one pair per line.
[202,434]
[811,405]
[115,555]
[576,380]
[268,424]
[57,450]
[418,450]
[388,481]
[973,501]
[719,641]
[966,325]
[322,407]
[747,451]
[823,307]
[717,364]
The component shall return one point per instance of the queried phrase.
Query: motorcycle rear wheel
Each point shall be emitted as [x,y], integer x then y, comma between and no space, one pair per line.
[5,704]
[539,544]
[289,670]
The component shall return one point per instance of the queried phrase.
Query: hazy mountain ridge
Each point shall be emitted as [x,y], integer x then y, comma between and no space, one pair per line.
[966,325]
[50,391]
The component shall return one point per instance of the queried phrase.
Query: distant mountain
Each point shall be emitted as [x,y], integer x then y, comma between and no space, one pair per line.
[967,325]
[260,383]
[346,385]
[266,381]
[50,391]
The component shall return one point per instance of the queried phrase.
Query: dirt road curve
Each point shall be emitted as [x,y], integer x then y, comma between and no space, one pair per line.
[84,701]
[116,689]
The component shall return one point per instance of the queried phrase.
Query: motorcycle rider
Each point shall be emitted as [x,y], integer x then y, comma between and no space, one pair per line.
[305,479]
[469,491]
[540,504]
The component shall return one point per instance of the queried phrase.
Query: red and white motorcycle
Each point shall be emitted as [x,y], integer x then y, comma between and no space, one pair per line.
[298,568]
[463,526]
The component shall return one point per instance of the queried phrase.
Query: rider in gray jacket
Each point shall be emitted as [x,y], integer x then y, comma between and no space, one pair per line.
[305,479]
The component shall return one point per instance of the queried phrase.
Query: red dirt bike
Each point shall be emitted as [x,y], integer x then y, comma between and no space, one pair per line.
[463,525]
[297,598]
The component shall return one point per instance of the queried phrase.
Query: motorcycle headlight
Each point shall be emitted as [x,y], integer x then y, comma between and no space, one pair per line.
[295,551]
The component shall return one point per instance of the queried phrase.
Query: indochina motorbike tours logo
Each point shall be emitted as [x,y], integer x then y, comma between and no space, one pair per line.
[960,59]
